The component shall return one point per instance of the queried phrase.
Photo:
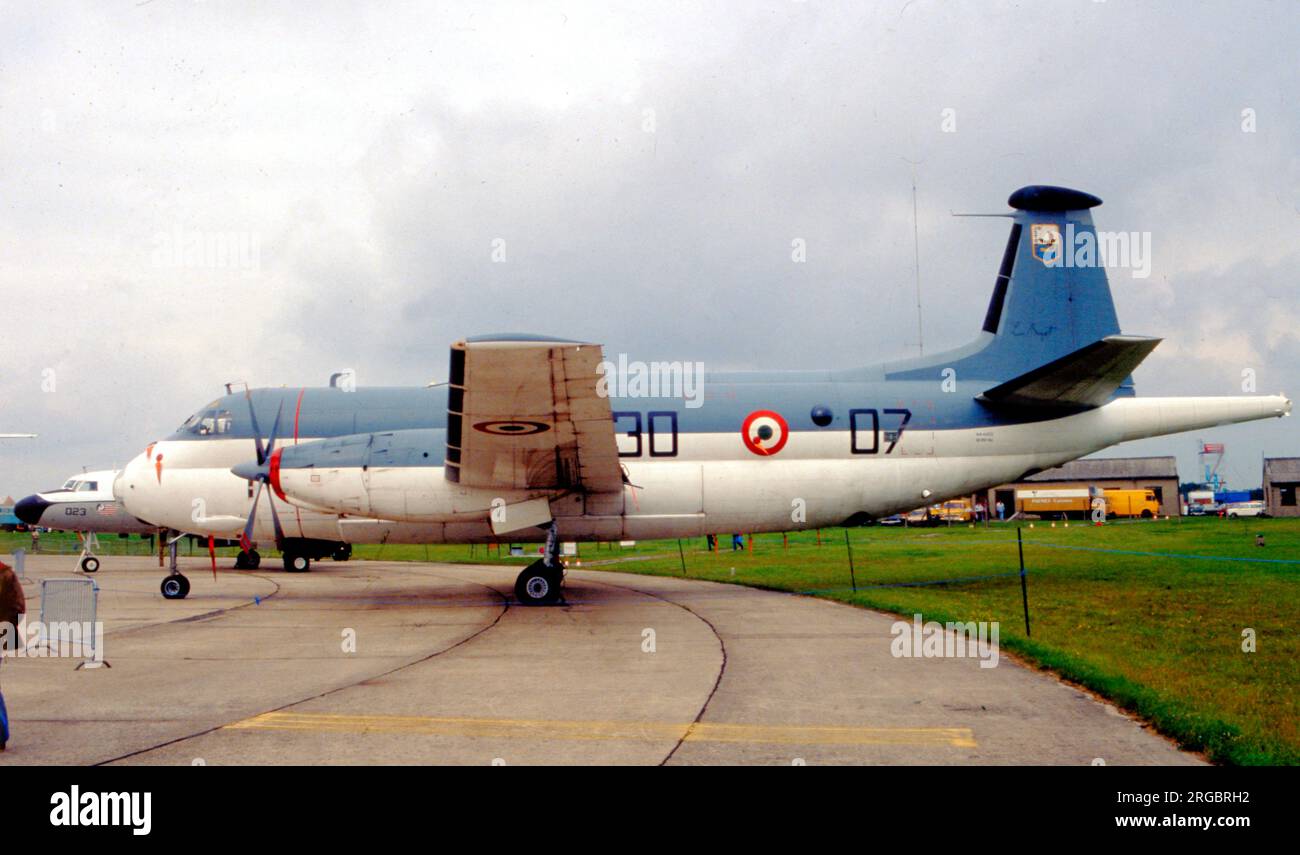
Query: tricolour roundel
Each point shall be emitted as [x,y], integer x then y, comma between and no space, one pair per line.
[764,432]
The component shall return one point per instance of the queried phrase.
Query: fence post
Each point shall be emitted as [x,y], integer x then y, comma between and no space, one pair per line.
[853,578]
[681,555]
[1024,588]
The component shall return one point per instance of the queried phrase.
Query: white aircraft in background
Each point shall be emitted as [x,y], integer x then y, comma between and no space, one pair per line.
[531,440]
[86,505]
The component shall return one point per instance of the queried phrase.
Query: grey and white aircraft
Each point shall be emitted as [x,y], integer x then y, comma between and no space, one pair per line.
[530,439]
[84,504]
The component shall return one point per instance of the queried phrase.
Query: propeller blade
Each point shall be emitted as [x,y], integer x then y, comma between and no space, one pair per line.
[275,521]
[212,554]
[257,432]
[246,538]
[275,430]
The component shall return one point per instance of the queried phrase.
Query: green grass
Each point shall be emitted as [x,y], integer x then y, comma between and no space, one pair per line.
[1158,633]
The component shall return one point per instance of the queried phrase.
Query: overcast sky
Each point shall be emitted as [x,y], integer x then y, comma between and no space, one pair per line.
[646,170]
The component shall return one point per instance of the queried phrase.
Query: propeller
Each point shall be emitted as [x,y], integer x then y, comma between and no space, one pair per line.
[260,474]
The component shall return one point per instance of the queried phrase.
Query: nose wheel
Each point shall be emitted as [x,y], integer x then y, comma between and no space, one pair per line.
[175,587]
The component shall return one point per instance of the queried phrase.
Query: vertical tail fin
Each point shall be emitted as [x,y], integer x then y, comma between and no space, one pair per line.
[1045,304]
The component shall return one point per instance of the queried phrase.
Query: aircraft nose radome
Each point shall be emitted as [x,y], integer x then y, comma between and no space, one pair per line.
[248,471]
[30,508]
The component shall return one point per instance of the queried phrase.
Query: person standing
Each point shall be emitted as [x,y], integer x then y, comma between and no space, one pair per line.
[13,604]
[1002,511]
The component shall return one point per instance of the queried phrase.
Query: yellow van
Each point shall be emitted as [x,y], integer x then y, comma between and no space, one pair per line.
[954,510]
[1131,503]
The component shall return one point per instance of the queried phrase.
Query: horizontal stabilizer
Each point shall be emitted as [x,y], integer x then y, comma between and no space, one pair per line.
[1086,378]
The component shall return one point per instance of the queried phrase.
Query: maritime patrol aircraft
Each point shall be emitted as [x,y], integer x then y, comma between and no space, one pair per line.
[529,441]
[84,504]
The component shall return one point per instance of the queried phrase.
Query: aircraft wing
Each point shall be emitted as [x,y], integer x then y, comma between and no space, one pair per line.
[1086,378]
[523,412]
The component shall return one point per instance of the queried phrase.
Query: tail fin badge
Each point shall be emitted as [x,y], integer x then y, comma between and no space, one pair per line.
[1046,239]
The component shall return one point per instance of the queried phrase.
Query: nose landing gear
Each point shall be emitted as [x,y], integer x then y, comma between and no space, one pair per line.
[174,586]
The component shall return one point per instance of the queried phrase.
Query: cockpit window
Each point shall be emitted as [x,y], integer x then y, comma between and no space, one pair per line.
[70,484]
[209,421]
[87,486]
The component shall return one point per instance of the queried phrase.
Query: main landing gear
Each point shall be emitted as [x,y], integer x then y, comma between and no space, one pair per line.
[541,583]
[248,560]
[294,560]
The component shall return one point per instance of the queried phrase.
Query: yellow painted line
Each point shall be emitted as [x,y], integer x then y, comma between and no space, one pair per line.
[513,728]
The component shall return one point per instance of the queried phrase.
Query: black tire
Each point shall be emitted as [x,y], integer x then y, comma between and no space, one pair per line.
[539,585]
[175,587]
[342,552]
[254,559]
[1146,514]
[241,560]
[89,564]
[296,563]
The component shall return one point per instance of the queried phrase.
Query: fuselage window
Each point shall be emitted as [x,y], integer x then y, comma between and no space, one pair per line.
[208,422]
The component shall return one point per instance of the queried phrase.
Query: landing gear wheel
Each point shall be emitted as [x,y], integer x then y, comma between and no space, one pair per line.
[539,585]
[343,552]
[254,559]
[89,564]
[241,560]
[175,587]
[294,563]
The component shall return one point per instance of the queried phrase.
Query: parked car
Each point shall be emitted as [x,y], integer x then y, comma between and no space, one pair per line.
[920,516]
[1246,509]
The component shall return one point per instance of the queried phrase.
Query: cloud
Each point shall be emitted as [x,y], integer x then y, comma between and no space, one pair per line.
[647,169]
